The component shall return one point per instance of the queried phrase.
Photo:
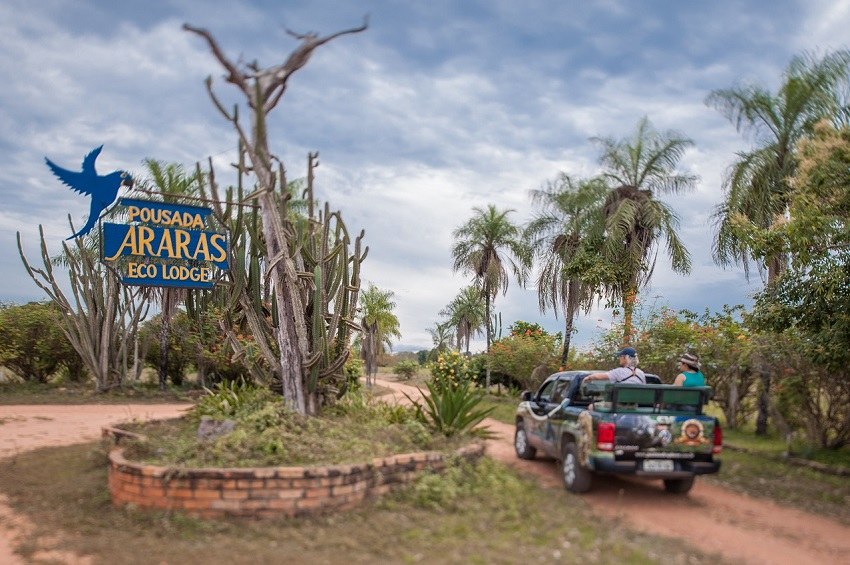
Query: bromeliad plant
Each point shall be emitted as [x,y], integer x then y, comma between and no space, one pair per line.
[452,410]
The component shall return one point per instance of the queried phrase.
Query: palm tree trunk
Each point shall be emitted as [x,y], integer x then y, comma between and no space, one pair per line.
[629,301]
[488,331]
[568,332]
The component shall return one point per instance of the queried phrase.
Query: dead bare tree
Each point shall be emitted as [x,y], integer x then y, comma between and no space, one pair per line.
[301,327]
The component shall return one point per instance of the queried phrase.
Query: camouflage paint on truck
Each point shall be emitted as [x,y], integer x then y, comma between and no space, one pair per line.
[652,430]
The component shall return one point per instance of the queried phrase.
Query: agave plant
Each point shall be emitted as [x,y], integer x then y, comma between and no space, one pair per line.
[452,411]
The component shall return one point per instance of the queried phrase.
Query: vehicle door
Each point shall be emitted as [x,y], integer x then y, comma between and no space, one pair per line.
[554,416]
[539,404]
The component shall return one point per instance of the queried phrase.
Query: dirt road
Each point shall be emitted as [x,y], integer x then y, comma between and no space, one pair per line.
[23,428]
[712,519]
[715,520]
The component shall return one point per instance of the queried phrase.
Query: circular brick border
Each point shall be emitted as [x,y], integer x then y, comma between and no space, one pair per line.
[263,492]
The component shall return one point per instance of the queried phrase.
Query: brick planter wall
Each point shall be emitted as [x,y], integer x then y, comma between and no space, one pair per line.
[266,491]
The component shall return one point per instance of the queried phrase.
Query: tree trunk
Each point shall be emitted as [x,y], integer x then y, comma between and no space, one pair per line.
[488,331]
[763,404]
[628,315]
[568,332]
[775,267]
[731,410]
[164,330]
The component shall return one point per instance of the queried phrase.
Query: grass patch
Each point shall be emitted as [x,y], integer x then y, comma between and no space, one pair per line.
[84,393]
[504,407]
[474,514]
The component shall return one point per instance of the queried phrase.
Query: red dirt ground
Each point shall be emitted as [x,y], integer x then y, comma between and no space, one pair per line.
[712,519]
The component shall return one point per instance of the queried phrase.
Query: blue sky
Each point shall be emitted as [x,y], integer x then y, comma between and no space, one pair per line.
[438,107]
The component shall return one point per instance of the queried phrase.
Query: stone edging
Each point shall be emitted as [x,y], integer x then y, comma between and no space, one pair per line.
[263,492]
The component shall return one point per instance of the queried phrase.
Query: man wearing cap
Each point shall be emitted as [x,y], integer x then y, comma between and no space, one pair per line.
[627,372]
[690,375]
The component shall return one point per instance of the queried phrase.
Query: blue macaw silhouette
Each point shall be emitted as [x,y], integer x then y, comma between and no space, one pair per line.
[102,189]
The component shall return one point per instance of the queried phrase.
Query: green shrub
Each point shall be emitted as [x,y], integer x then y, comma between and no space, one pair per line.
[180,355]
[32,344]
[406,369]
[461,479]
[450,370]
[353,370]
[227,399]
[519,354]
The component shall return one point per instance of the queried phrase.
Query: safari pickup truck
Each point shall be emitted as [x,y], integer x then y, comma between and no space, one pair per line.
[648,430]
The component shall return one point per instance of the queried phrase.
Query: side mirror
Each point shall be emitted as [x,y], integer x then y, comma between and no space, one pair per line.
[526,396]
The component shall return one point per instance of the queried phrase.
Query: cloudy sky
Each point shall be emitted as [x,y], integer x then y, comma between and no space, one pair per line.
[439,107]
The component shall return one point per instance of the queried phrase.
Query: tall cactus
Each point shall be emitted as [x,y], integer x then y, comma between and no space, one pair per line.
[325,279]
[101,316]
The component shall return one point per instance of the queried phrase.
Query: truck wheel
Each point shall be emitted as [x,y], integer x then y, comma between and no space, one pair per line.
[678,486]
[524,450]
[576,478]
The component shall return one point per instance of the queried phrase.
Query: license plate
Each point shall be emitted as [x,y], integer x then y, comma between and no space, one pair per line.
[657,465]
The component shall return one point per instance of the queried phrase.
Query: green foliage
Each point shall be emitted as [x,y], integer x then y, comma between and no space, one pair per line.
[406,369]
[534,331]
[362,407]
[484,478]
[450,370]
[820,199]
[229,398]
[378,307]
[353,370]
[640,168]
[180,353]
[807,305]
[566,234]
[728,351]
[452,410]
[751,220]
[466,314]
[809,315]
[357,428]
[32,344]
[519,355]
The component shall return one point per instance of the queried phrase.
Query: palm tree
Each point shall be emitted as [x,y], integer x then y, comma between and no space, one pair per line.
[483,246]
[757,187]
[639,168]
[441,336]
[466,314]
[171,182]
[377,307]
[560,235]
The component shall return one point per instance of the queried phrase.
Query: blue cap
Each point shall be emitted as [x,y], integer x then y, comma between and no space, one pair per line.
[630,351]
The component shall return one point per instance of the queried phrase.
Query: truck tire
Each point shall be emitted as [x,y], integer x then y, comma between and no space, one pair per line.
[524,450]
[678,486]
[576,478]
